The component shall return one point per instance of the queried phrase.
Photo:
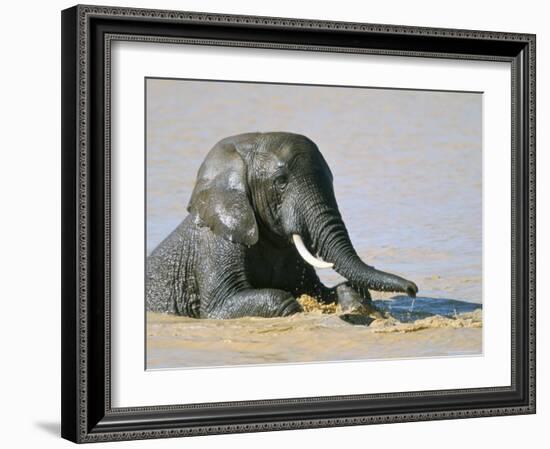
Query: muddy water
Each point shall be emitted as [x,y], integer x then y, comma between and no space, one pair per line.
[407,177]
[313,336]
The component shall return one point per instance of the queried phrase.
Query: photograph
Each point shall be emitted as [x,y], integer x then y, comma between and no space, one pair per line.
[300,223]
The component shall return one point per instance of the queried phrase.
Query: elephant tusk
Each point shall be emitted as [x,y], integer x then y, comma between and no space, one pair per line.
[307,256]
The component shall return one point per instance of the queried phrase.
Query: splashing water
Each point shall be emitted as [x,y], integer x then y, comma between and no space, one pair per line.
[321,333]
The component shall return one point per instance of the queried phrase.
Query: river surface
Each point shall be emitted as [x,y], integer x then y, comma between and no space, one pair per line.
[407,169]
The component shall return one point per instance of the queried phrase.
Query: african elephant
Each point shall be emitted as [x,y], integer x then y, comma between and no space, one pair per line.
[262,205]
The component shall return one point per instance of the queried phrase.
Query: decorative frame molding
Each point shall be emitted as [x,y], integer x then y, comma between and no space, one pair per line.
[87,34]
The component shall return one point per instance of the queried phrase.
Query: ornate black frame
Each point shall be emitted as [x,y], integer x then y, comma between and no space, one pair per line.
[87,32]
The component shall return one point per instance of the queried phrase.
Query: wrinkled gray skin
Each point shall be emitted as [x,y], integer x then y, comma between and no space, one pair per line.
[233,255]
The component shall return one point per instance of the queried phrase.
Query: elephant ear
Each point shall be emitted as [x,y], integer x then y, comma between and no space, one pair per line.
[220,197]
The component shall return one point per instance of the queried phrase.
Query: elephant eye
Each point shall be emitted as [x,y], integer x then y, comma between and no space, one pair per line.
[281,181]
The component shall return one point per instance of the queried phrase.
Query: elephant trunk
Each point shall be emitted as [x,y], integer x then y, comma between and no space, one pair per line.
[329,239]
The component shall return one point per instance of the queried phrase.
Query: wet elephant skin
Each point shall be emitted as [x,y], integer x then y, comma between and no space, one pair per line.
[262,204]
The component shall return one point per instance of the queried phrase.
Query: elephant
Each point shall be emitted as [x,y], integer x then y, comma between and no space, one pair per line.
[263,204]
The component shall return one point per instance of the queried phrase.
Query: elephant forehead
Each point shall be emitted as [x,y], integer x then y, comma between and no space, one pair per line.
[282,149]
[297,151]
[266,162]
[295,160]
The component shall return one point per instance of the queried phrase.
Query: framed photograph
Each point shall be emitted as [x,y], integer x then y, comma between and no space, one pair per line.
[276,224]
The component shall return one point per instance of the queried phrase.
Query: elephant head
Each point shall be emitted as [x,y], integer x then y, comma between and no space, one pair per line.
[279,187]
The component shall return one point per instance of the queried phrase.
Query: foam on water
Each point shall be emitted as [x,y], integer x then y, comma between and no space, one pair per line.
[321,333]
